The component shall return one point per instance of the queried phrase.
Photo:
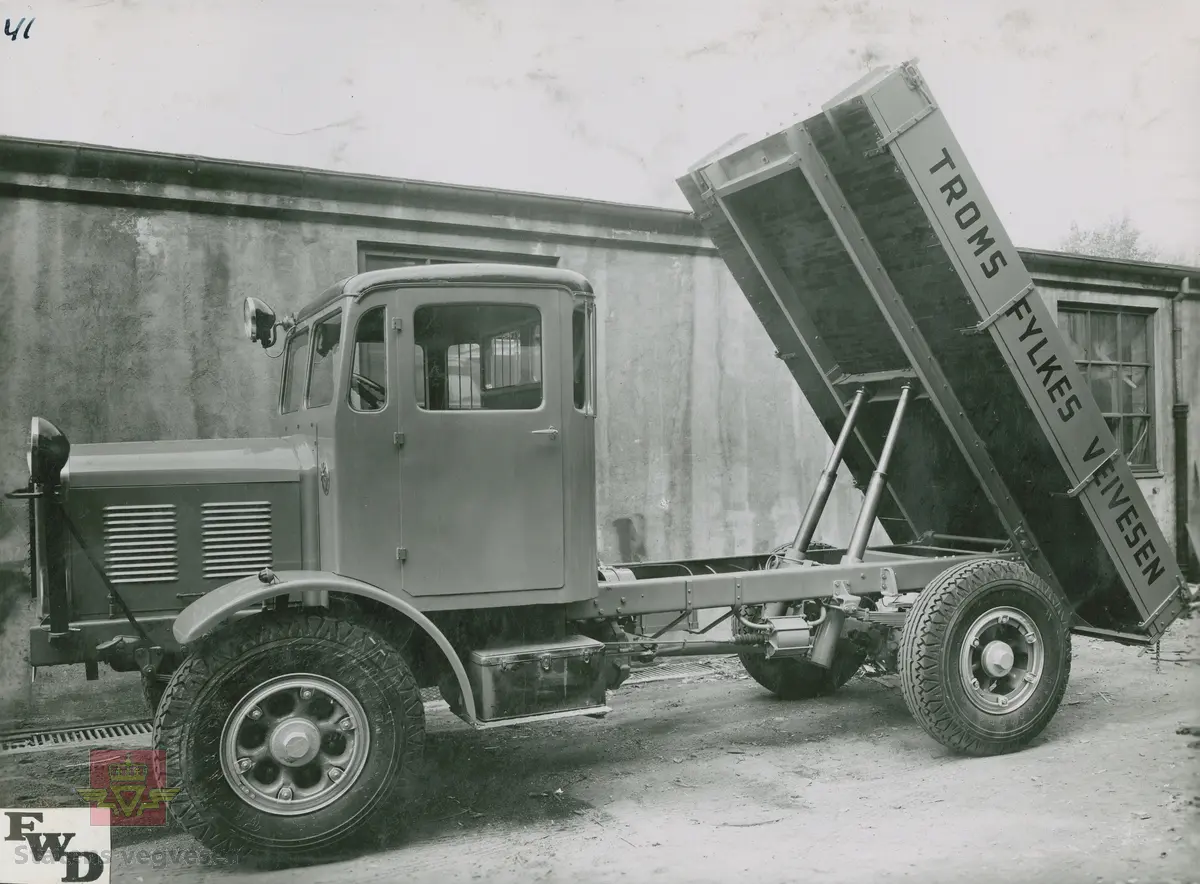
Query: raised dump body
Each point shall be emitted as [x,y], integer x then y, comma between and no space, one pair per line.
[867,246]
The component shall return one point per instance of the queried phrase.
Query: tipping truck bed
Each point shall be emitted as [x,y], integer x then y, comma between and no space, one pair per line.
[868,249]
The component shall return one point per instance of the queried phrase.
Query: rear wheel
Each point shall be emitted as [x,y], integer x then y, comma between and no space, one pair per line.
[794,678]
[290,735]
[985,656]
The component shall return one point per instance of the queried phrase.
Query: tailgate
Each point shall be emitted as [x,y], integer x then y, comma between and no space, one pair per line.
[869,251]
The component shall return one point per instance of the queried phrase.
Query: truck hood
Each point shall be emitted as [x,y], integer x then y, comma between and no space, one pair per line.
[187,462]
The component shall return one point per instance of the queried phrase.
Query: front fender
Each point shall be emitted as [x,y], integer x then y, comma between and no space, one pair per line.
[214,608]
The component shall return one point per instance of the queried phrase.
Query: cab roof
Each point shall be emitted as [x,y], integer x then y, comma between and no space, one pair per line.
[446,274]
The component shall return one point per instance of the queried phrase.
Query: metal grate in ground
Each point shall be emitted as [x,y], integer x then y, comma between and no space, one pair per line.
[68,738]
[668,671]
[136,734]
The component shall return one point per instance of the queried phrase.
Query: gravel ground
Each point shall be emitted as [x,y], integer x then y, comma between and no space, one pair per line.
[714,780]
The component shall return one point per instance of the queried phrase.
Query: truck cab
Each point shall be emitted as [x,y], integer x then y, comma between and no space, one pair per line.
[434,441]
[450,410]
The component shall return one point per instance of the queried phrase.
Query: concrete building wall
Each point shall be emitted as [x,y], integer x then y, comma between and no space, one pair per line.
[122,277]
[122,321]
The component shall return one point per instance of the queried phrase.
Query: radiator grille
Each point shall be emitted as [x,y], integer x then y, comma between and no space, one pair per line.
[141,544]
[236,538]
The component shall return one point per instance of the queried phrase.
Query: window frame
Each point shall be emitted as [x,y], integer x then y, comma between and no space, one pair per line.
[586,307]
[379,255]
[349,370]
[285,382]
[423,378]
[338,311]
[1088,309]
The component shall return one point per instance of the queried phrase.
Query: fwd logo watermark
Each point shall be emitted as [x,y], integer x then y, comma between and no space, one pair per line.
[54,845]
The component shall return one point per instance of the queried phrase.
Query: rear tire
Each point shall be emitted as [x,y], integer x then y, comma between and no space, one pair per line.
[794,678]
[270,691]
[985,656]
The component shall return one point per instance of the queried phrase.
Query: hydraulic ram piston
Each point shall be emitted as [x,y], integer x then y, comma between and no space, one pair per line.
[866,516]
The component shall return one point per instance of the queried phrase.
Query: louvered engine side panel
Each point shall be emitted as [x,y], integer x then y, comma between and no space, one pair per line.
[141,544]
[236,538]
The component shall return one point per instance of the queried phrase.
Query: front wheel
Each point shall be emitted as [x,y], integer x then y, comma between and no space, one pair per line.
[985,656]
[290,735]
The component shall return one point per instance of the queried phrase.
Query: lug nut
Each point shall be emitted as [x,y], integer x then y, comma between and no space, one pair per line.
[306,693]
[346,724]
[335,773]
[975,643]
[1031,677]
[975,683]
[255,713]
[285,794]
[1003,619]
[1003,701]
[244,764]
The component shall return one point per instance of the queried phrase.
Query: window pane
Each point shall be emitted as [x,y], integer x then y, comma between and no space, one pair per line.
[579,356]
[327,336]
[1135,396]
[462,376]
[1103,379]
[485,356]
[1074,326]
[293,378]
[419,376]
[368,374]
[1135,337]
[1135,440]
[1103,342]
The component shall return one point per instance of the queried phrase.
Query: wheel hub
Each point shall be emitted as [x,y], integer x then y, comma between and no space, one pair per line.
[1001,660]
[294,744]
[997,658]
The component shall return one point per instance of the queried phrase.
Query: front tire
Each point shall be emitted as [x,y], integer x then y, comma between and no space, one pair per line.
[290,735]
[985,656]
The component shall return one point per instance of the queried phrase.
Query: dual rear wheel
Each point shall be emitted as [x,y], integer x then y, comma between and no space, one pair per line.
[985,656]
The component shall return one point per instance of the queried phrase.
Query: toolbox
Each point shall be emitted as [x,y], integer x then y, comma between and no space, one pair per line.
[559,676]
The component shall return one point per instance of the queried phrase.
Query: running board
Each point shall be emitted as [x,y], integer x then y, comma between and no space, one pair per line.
[591,711]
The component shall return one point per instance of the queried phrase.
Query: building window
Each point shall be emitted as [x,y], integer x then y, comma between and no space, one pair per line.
[380,256]
[368,371]
[327,336]
[478,356]
[1113,349]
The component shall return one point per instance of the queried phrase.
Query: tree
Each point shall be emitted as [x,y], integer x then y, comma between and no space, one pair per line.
[1117,238]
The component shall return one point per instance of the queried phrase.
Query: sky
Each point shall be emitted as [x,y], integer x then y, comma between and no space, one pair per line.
[1069,110]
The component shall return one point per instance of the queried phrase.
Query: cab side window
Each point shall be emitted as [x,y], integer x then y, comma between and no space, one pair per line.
[293,373]
[368,366]
[327,338]
[478,357]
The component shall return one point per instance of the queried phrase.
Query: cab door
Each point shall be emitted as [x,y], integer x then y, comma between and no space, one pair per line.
[481,464]
[360,525]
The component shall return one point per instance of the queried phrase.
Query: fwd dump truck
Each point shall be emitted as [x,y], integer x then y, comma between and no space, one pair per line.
[286,599]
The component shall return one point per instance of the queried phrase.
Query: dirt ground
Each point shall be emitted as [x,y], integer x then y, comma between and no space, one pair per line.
[714,780]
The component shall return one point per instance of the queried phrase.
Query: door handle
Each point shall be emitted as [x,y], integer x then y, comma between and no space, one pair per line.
[549,431]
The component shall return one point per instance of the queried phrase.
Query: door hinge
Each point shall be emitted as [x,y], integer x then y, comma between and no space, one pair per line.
[401,554]
[398,439]
[398,324]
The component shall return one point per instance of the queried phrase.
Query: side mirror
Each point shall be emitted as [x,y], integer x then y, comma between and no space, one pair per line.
[258,322]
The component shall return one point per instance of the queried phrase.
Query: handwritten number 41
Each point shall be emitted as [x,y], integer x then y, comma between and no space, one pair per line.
[13,32]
